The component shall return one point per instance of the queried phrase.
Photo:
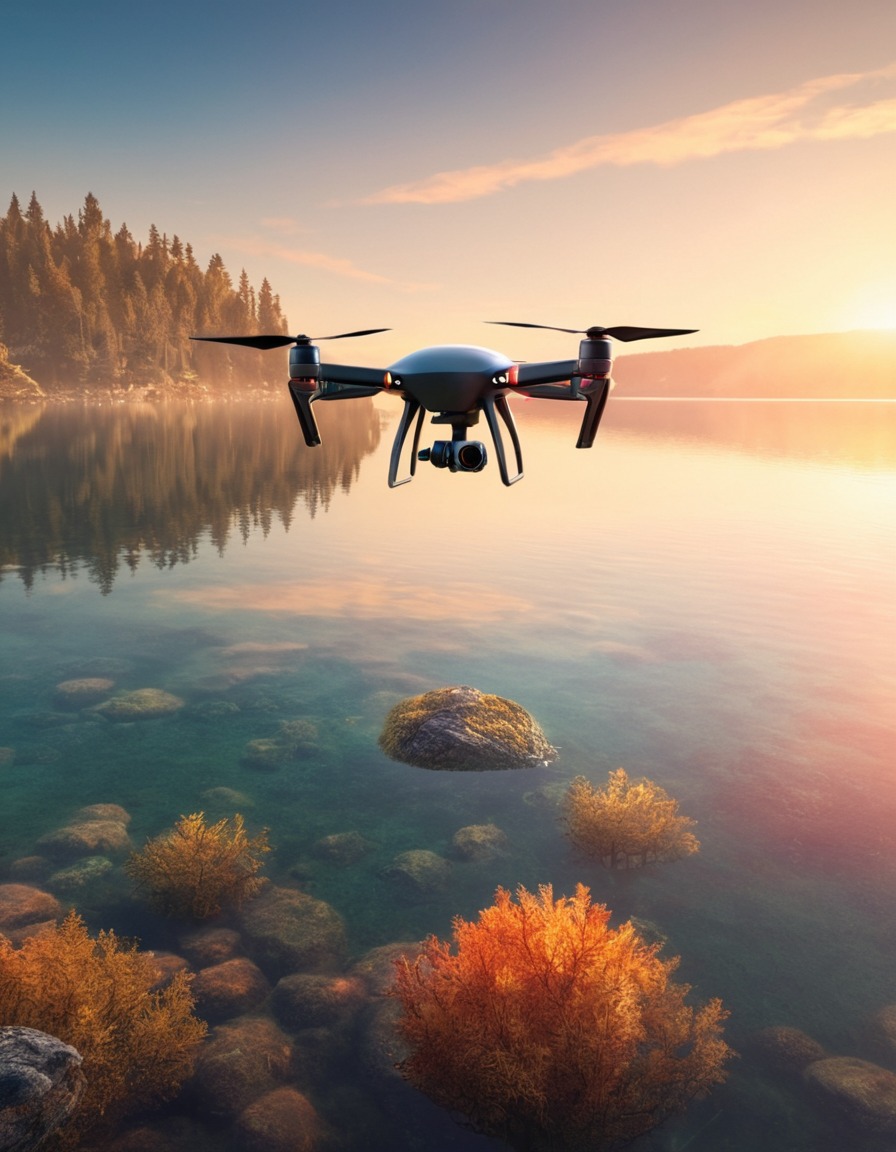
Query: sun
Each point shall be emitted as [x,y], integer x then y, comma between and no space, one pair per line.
[874,310]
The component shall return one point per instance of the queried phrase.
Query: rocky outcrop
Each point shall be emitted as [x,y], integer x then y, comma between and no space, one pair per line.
[40,1085]
[461,729]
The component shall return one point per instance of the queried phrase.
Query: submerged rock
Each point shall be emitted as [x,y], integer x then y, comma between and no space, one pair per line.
[22,905]
[788,1049]
[86,838]
[864,1093]
[241,1062]
[478,842]
[83,693]
[81,874]
[40,1085]
[461,729]
[282,1120]
[229,989]
[342,848]
[311,1000]
[141,704]
[419,871]
[287,930]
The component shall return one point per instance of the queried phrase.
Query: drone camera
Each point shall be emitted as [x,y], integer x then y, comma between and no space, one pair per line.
[456,455]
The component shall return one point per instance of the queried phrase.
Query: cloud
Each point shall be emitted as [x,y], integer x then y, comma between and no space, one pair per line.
[292,255]
[283,249]
[839,107]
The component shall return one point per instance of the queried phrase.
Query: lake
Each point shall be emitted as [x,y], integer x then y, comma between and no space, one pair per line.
[707,599]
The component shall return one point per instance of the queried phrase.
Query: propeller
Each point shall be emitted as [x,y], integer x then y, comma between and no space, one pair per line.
[620,333]
[265,342]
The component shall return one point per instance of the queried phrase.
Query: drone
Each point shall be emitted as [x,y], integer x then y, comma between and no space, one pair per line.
[455,382]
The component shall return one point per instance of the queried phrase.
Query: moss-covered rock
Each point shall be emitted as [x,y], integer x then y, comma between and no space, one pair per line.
[141,704]
[461,729]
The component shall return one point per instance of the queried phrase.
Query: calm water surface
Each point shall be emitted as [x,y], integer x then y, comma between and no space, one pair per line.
[707,598]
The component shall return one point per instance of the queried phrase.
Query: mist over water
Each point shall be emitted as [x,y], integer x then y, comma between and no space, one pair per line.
[707,598]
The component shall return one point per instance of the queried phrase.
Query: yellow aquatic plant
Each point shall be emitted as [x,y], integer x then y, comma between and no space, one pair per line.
[195,869]
[137,1044]
[628,823]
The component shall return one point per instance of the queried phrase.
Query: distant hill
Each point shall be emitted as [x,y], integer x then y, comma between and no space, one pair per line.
[833,365]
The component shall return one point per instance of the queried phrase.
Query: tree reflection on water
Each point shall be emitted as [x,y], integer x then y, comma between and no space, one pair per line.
[92,487]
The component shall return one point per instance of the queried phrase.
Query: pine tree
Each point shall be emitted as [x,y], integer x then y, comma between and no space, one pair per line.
[83,306]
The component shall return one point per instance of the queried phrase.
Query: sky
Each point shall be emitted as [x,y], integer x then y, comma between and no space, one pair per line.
[708,164]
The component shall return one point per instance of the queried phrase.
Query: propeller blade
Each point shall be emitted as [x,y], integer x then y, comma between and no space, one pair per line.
[343,335]
[548,327]
[627,334]
[263,342]
[621,332]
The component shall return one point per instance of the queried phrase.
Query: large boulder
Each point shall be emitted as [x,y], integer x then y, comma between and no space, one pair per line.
[461,729]
[40,1085]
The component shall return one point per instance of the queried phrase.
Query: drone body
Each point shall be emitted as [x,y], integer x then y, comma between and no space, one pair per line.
[455,383]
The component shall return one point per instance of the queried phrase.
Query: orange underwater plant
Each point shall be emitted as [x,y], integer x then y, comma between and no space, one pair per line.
[194,870]
[628,823]
[547,1028]
[97,994]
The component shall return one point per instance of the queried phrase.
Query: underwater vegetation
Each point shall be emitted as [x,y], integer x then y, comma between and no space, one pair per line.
[195,870]
[137,1044]
[628,823]
[549,1029]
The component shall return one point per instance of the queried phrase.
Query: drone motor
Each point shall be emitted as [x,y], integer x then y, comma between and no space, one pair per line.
[304,362]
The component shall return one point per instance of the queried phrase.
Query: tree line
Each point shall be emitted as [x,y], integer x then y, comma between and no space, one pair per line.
[82,306]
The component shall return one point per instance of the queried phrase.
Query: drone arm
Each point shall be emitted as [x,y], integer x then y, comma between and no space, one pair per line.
[412,408]
[330,391]
[494,406]
[550,392]
[545,372]
[350,374]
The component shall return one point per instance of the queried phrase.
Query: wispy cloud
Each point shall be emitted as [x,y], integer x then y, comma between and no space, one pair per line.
[840,107]
[279,244]
[280,250]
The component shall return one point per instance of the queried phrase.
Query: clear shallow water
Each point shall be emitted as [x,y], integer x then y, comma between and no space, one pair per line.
[707,598]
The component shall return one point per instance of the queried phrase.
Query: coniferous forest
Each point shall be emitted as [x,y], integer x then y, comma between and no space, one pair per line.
[83,307]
